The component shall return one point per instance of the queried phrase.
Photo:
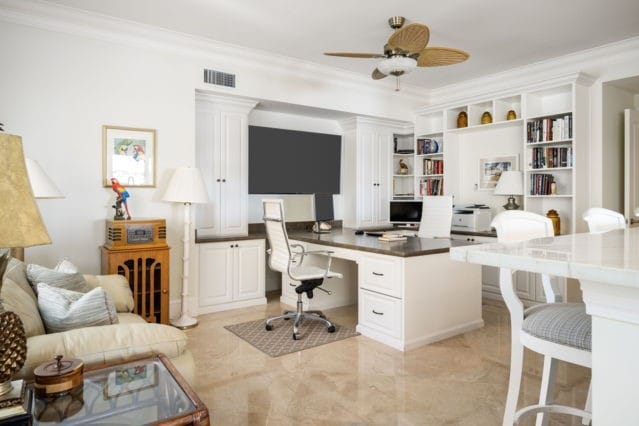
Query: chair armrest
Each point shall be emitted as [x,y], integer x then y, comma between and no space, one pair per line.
[326,253]
[318,252]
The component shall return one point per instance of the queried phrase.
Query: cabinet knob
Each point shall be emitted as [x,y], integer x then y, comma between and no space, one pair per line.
[165,291]
[223,180]
[218,179]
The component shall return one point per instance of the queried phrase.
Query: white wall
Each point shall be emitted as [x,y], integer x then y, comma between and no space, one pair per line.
[297,207]
[615,101]
[60,85]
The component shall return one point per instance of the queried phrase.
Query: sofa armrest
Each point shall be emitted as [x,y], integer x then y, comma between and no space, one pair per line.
[117,287]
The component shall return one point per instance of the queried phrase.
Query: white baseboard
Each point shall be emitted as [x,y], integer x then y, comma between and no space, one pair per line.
[445,334]
[380,337]
[231,305]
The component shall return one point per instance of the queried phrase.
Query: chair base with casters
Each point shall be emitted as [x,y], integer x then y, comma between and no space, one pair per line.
[300,314]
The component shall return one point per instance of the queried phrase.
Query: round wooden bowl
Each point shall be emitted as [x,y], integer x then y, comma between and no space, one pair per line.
[58,377]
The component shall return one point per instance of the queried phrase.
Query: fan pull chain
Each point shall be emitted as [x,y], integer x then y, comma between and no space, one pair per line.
[397,88]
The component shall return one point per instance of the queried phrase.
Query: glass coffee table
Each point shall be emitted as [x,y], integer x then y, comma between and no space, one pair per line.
[146,391]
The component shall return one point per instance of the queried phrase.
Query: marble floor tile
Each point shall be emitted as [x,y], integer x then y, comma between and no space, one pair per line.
[357,381]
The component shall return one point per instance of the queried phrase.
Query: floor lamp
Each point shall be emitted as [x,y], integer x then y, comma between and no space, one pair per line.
[186,186]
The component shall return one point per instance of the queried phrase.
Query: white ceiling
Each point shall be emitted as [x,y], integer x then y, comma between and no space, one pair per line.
[498,34]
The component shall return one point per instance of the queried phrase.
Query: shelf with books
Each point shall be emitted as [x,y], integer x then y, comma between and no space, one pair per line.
[549,169]
[550,196]
[431,186]
[432,175]
[549,157]
[546,143]
[551,128]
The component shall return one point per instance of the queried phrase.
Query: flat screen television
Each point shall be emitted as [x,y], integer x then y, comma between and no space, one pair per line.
[405,211]
[293,162]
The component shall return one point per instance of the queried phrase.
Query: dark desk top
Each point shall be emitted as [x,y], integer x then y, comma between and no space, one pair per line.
[346,238]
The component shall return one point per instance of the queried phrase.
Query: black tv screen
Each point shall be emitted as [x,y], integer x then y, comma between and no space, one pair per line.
[293,162]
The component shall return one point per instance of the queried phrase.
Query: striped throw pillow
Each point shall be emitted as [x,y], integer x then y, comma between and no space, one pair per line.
[39,274]
[63,310]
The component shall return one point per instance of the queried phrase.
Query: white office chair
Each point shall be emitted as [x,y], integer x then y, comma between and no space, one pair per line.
[603,220]
[283,259]
[559,331]
[437,217]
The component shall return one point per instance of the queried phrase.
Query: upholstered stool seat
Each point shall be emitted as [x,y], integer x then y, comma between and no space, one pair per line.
[567,324]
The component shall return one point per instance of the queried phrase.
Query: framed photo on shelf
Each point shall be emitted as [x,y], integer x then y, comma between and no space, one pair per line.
[491,168]
[130,379]
[128,154]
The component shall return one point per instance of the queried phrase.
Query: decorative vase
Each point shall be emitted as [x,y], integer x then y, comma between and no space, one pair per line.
[486,118]
[511,115]
[556,221]
[462,120]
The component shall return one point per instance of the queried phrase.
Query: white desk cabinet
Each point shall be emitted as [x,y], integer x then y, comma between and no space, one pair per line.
[231,275]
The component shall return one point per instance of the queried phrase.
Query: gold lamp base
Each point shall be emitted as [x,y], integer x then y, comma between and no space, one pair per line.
[511,204]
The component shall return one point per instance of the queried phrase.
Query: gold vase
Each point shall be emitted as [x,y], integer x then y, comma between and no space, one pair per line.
[462,120]
[556,221]
[511,115]
[486,118]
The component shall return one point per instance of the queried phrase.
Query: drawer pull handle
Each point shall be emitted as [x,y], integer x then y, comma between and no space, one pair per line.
[378,274]
[292,285]
[377,313]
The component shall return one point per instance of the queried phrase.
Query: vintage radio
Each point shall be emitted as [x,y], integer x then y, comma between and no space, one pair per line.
[134,234]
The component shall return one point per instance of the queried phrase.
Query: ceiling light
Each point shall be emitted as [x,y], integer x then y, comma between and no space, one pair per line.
[397,65]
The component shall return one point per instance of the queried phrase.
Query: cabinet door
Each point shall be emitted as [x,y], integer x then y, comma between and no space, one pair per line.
[383,165]
[249,270]
[367,179]
[216,273]
[207,140]
[234,166]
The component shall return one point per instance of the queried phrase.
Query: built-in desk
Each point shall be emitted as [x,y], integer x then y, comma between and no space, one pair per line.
[409,293]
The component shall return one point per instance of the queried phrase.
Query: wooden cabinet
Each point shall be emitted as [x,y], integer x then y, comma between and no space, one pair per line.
[221,138]
[231,275]
[147,271]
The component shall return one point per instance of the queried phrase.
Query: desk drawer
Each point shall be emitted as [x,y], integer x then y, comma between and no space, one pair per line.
[381,313]
[381,275]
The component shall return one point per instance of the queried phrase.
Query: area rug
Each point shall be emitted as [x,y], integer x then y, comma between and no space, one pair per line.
[279,341]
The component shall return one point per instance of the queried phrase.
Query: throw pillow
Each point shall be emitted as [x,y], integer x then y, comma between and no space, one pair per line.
[17,299]
[39,274]
[63,310]
[66,266]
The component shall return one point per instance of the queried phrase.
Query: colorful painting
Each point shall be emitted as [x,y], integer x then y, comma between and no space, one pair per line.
[129,155]
[130,379]
[490,169]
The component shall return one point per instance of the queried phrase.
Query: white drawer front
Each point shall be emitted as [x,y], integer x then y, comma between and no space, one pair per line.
[381,313]
[381,275]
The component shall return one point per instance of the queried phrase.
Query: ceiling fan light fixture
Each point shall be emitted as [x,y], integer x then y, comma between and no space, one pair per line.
[397,65]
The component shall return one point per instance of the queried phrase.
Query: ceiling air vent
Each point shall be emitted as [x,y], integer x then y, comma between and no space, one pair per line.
[219,78]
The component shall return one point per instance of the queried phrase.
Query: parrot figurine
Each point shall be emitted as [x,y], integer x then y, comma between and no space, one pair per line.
[122,193]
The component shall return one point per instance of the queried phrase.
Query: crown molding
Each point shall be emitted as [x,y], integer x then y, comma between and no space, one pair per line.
[217,101]
[354,122]
[77,22]
[585,61]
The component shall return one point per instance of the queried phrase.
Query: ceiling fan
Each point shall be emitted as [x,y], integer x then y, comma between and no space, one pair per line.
[406,49]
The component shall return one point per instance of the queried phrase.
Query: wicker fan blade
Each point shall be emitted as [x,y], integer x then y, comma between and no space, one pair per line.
[378,75]
[412,38]
[438,56]
[355,55]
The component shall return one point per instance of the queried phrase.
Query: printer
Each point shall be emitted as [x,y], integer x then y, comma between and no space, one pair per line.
[475,218]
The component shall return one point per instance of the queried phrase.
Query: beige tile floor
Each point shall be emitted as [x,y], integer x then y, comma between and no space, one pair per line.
[459,381]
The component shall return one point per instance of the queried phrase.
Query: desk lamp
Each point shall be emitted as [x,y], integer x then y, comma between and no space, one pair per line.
[186,186]
[510,183]
[20,226]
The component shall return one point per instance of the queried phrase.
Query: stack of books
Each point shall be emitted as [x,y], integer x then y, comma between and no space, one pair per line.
[392,237]
[14,406]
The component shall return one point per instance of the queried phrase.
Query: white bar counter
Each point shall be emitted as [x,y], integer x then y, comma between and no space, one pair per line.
[607,266]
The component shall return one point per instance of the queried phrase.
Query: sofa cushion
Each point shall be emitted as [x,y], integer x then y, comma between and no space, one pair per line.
[66,266]
[98,346]
[21,300]
[63,310]
[117,287]
[17,272]
[39,274]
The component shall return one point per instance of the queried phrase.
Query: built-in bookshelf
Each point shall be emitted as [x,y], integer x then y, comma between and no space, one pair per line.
[430,157]
[404,167]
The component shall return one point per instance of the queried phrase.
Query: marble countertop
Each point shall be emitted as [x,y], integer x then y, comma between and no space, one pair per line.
[346,238]
[611,257]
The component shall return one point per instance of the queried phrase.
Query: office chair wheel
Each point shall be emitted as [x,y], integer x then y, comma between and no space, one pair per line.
[268,327]
[331,329]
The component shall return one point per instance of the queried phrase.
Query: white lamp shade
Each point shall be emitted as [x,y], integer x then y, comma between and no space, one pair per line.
[510,183]
[186,186]
[399,64]
[41,183]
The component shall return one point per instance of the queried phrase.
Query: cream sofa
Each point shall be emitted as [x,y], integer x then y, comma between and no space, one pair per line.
[132,337]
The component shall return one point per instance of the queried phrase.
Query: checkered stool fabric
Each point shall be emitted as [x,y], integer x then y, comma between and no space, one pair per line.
[563,323]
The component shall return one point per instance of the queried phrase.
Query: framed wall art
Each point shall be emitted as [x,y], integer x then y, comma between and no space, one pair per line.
[491,168]
[129,156]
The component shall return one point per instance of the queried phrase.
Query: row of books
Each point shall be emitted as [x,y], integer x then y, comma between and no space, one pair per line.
[427,146]
[542,184]
[433,167]
[431,187]
[549,129]
[551,157]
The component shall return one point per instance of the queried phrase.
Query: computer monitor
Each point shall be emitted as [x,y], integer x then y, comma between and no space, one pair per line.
[323,206]
[406,212]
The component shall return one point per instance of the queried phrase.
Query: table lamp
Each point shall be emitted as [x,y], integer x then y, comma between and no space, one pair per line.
[20,226]
[510,183]
[186,186]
